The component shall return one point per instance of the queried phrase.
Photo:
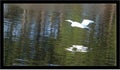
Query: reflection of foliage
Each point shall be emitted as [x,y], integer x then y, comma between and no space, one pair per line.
[14,12]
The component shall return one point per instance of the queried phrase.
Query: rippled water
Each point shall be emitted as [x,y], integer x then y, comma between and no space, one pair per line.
[40,35]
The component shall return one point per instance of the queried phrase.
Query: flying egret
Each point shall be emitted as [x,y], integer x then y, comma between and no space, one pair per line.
[84,23]
[79,48]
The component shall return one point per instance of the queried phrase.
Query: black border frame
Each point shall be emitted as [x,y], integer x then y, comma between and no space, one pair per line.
[60,67]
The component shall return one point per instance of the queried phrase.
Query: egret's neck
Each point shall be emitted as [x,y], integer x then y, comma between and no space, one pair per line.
[70,21]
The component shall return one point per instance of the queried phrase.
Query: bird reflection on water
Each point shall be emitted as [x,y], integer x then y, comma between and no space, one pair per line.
[79,48]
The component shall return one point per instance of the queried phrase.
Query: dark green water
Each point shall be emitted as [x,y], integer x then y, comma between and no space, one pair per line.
[37,35]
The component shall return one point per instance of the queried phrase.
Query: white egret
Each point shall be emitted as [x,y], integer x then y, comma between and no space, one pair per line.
[84,23]
[79,48]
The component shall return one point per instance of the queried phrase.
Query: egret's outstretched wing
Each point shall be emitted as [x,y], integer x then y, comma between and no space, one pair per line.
[86,22]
